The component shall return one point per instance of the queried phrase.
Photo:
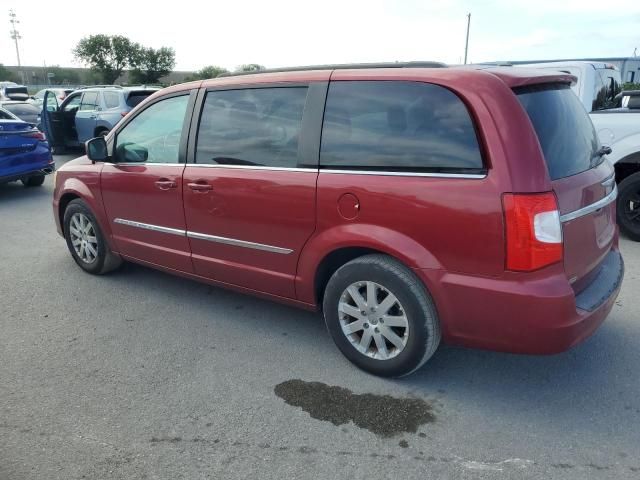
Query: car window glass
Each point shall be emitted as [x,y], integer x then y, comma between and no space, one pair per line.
[404,126]
[6,116]
[154,134]
[251,127]
[89,101]
[72,104]
[111,99]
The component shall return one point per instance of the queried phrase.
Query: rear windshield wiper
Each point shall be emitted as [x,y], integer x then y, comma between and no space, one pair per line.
[597,158]
[603,151]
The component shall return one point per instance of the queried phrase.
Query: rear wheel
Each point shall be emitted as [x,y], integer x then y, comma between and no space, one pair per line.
[85,240]
[33,181]
[629,206]
[102,133]
[381,316]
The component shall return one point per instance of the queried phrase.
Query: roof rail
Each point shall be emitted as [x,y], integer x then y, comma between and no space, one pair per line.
[342,66]
[98,86]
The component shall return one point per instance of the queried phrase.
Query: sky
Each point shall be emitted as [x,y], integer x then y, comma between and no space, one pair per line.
[282,33]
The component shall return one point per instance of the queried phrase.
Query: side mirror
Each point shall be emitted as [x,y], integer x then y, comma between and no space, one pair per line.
[97,149]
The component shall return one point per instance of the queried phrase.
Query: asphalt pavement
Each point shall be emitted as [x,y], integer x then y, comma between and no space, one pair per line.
[142,375]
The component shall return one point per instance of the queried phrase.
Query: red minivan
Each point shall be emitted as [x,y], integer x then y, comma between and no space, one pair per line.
[410,204]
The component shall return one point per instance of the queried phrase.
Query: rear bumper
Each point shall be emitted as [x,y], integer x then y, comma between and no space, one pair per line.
[537,313]
[19,175]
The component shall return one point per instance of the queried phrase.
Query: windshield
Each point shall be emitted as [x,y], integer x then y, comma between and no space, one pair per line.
[565,132]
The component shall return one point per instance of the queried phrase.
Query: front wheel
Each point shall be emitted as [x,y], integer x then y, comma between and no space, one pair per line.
[85,240]
[628,206]
[380,316]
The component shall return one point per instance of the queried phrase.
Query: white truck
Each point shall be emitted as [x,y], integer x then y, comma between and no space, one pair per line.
[616,118]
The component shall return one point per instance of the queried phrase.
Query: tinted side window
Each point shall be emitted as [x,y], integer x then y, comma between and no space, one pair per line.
[153,135]
[391,125]
[251,127]
[111,99]
[89,101]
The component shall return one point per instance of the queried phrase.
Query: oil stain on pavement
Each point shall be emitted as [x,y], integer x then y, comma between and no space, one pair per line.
[383,415]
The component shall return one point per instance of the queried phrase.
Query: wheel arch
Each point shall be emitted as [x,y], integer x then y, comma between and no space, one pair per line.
[323,255]
[627,166]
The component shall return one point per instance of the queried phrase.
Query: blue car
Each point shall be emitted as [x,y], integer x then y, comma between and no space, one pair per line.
[87,113]
[24,152]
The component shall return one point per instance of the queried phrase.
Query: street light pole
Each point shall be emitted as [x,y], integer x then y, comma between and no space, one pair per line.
[15,35]
[466,44]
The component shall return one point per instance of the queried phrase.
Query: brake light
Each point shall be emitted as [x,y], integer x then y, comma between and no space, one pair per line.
[533,231]
[38,135]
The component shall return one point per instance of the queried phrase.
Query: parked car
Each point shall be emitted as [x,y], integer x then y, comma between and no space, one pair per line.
[87,113]
[410,205]
[13,91]
[598,88]
[60,95]
[24,152]
[23,110]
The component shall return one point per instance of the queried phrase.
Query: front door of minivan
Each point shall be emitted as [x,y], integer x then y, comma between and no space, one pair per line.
[249,205]
[142,186]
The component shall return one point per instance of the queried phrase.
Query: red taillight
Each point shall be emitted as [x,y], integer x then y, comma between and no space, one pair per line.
[533,230]
[38,135]
[123,114]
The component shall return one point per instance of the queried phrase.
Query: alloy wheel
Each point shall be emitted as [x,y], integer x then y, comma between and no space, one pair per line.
[83,238]
[373,320]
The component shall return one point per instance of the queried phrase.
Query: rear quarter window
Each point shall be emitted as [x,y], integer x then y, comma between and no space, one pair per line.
[134,98]
[565,132]
[397,126]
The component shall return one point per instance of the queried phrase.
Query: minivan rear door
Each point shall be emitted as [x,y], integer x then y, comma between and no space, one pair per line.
[581,177]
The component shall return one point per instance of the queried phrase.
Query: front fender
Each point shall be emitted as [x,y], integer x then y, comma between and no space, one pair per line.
[373,237]
[88,190]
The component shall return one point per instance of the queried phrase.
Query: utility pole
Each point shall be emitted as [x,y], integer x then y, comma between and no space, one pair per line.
[15,35]
[466,44]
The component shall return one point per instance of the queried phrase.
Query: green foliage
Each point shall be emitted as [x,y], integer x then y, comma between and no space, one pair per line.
[149,65]
[107,55]
[211,71]
[63,76]
[631,86]
[7,75]
[250,67]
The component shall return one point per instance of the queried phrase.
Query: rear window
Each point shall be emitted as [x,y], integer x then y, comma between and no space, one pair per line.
[565,132]
[134,98]
[21,109]
[397,126]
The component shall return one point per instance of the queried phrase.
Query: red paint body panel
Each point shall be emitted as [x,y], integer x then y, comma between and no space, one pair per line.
[130,193]
[450,231]
[275,208]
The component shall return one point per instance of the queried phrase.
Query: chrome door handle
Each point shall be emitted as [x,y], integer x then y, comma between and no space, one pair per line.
[165,184]
[199,187]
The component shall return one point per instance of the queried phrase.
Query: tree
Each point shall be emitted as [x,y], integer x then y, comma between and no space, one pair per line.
[63,76]
[7,75]
[149,65]
[250,67]
[107,55]
[210,71]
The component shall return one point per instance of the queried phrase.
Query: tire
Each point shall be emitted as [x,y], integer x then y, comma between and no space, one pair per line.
[98,259]
[413,345]
[628,197]
[33,181]
[102,133]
